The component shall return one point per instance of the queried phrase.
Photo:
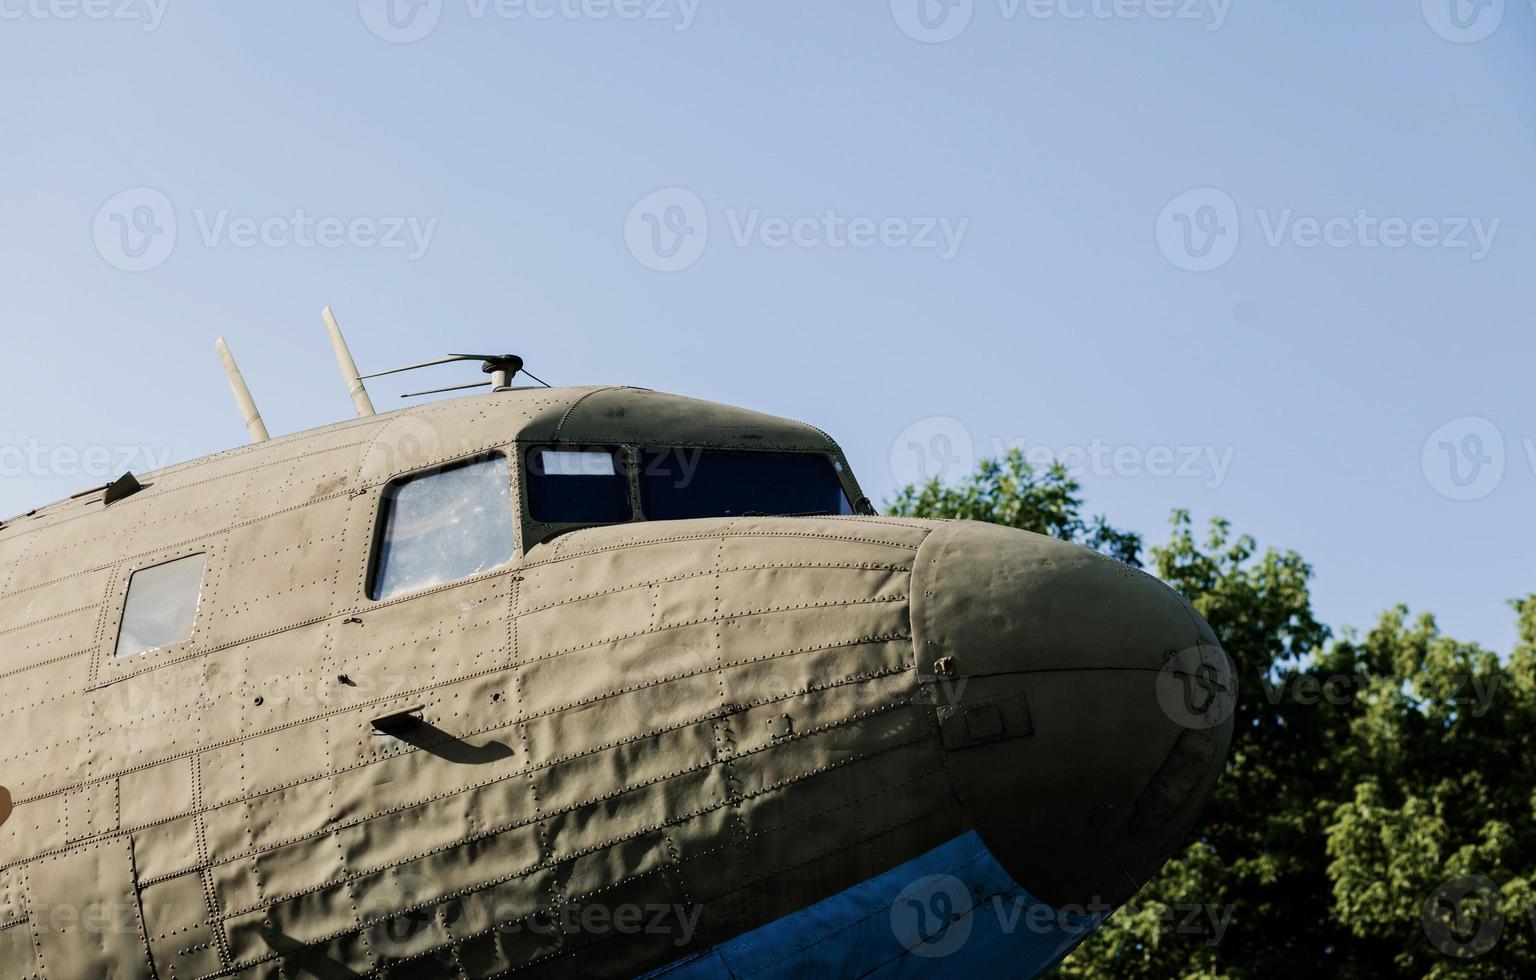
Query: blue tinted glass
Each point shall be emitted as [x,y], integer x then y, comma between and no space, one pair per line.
[444,526]
[577,487]
[676,484]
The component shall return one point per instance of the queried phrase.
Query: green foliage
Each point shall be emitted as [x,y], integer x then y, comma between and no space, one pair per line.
[1011,492]
[1372,781]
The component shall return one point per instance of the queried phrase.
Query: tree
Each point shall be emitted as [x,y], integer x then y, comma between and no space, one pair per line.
[1376,815]
[1011,492]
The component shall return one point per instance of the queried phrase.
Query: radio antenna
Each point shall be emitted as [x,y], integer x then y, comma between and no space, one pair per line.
[354,382]
[247,405]
[501,367]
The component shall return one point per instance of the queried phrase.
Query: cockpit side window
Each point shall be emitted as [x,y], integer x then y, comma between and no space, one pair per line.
[161,607]
[677,483]
[443,526]
[577,487]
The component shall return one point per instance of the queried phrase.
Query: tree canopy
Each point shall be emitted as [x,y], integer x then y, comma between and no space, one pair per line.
[1376,815]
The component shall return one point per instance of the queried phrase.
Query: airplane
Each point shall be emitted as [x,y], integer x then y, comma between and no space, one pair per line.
[555,681]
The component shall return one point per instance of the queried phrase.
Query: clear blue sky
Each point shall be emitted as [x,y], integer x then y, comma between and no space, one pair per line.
[1061,309]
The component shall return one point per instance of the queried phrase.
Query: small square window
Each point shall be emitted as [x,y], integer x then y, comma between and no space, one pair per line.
[161,606]
[443,526]
[569,487]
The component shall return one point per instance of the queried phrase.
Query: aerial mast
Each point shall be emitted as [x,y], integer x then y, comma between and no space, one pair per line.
[243,400]
[349,374]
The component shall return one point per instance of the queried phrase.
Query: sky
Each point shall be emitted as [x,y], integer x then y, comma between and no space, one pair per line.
[1269,262]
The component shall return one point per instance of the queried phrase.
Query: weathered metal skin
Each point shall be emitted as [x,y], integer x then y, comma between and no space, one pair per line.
[712,723]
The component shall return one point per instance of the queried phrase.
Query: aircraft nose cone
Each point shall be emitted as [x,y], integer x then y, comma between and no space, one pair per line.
[1085,708]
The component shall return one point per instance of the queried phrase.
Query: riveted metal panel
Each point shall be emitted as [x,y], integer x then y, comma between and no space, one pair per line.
[18,953]
[177,921]
[87,913]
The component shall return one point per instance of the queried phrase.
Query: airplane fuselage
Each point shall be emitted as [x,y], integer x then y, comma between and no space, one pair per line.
[388,698]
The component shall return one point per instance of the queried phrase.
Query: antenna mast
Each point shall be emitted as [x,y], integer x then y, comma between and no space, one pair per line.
[247,405]
[501,367]
[355,387]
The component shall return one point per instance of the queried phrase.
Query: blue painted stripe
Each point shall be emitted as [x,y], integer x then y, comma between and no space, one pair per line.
[953,910]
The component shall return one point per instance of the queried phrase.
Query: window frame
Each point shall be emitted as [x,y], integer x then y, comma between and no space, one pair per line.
[381,504]
[629,455]
[197,607]
[537,531]
[839,471]
[108,668]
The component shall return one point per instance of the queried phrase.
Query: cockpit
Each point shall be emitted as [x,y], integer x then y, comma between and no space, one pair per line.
[610,486]
[473,516]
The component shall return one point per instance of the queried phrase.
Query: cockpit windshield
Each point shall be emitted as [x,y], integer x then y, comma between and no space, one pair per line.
[677,484]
